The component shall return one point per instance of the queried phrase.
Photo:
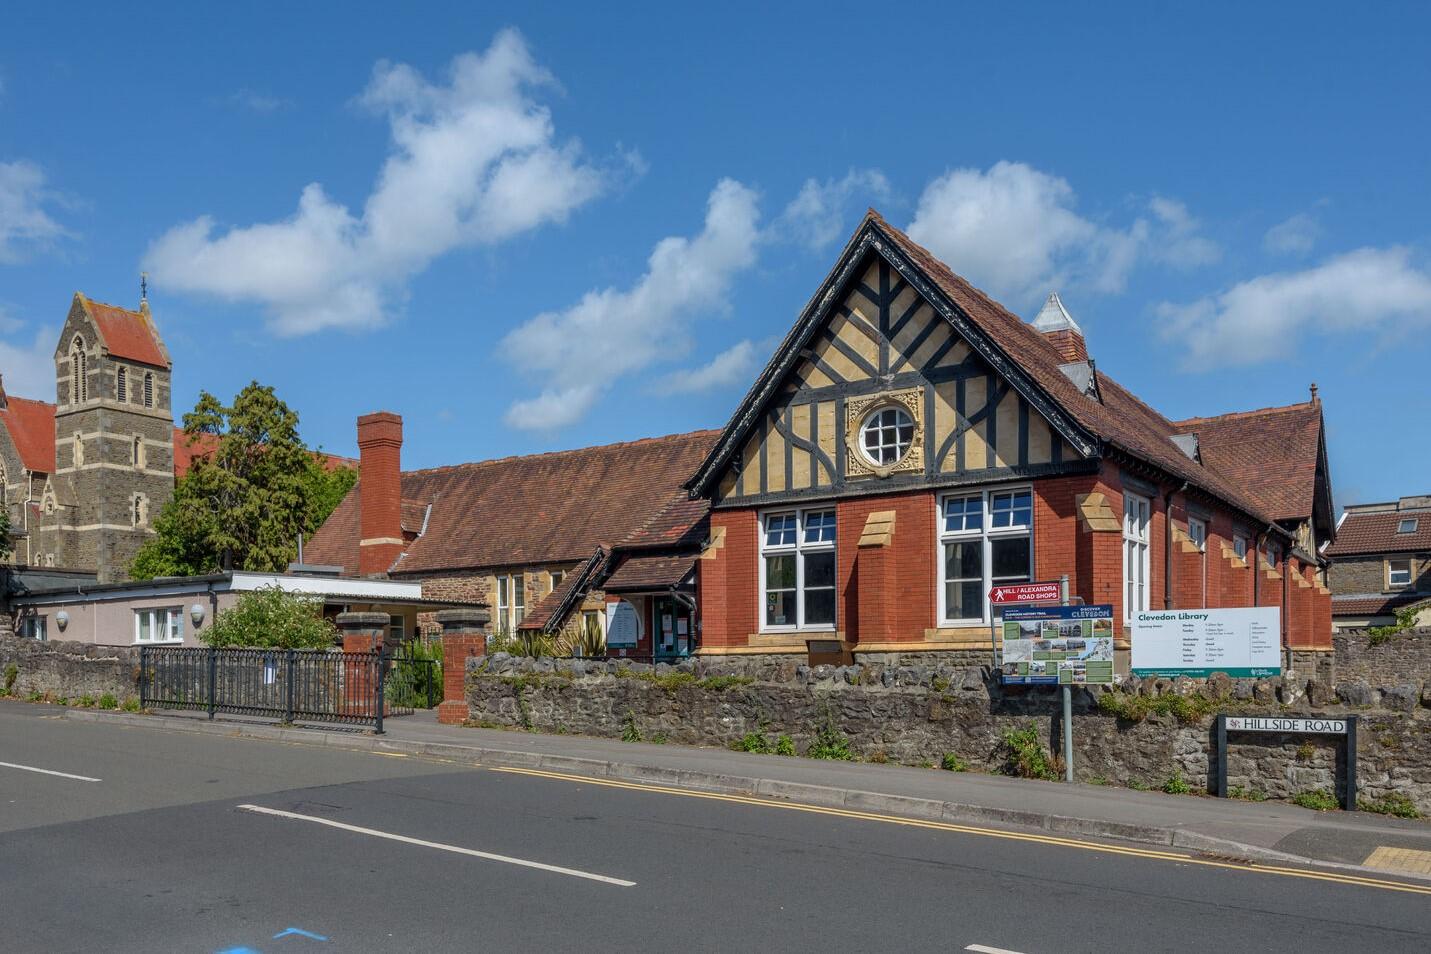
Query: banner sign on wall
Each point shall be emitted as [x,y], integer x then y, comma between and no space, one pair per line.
[623,624]
[1244,642]
[1058,645]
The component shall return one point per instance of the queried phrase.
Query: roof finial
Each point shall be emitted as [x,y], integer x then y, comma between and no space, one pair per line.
[1315,399]
[143,287]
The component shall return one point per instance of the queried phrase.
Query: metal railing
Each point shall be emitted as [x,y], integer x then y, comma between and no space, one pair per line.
[294,685]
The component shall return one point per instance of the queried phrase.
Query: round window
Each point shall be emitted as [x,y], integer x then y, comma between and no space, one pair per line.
[887,434]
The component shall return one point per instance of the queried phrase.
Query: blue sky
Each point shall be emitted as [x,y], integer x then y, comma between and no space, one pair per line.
[547,227]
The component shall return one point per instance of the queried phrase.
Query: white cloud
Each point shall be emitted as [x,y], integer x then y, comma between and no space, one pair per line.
[1366,291]
[256,102]
[1295,236]
[1013,231]
[474,161]
[25,221]
[731,366]
[612,332]
[28,367]
[816,216]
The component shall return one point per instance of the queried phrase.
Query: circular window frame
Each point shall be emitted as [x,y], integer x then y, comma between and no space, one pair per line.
[898,407]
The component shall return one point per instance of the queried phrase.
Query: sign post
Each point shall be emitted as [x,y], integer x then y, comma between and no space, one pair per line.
[1344,726]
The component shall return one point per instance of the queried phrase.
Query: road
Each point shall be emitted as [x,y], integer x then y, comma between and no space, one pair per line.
[153,840]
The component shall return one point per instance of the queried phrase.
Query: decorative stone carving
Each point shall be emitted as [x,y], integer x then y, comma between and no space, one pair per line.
[910,400]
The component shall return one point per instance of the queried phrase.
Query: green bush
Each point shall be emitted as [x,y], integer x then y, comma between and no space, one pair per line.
[1136,708]
[108,701]
[830,743]
[752,742]
[1175,785]
[1392,803]
[12,672]
[953,763]
[630,731]
[272,618]
[1405,619]
[85,702]
[1246,794]
[784,746]
[1025,756]
[130,705]
[1319,800]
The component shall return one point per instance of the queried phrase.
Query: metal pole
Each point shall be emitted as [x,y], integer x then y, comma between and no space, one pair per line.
[143,676]
[1067,699]
[213,677]
[381,658]
[1349,804]
[288,687]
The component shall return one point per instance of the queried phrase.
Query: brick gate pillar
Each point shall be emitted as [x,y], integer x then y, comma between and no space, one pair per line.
[362,633]
[464,634]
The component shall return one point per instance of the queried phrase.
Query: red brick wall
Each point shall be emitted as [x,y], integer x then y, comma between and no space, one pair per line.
[729,586]
[379,490]
[903,601]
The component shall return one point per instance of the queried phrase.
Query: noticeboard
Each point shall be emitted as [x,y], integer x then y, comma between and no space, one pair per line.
[1057,645]
[1244,642]
[623,624]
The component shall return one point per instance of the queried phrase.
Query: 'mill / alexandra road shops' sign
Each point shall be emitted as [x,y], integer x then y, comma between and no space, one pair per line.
[1244,642]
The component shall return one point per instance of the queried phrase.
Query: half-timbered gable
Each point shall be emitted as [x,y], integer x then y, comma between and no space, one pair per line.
[885,393]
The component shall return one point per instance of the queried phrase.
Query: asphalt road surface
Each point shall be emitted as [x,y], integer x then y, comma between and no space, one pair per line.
[151,840]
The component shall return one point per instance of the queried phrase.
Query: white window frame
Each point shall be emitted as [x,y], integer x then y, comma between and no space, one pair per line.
[1137,549]
[986,533]
[903,419]
[798,549]
[1240,545]
[555,578]
[1391,573]
[166,619]
[511,602]
[1407,525]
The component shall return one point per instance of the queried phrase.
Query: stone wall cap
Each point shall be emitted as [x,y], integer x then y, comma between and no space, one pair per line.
[469,614]
[363,619]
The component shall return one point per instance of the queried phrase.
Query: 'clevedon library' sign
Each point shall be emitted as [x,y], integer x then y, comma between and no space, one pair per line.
[1243,642]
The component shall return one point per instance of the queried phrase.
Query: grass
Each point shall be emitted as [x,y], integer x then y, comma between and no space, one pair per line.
[1246,794]
[1318,800]
[130,705]
[1392,803]
[1025,756]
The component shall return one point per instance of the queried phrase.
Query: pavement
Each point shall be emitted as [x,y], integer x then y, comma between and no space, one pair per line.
[1262,831]
[126,833]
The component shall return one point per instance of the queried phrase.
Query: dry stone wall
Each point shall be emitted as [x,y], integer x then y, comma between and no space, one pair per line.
[63,669]
[917,712]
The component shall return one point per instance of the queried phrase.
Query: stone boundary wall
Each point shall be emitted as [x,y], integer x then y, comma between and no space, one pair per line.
[1402,659]
[916,713]
[65,669]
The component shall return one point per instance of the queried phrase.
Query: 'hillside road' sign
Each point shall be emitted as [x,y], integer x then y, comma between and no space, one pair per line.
[1309,726]
[1345,726]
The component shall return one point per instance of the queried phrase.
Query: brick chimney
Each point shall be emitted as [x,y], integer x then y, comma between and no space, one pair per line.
[379,491]
[1057,325]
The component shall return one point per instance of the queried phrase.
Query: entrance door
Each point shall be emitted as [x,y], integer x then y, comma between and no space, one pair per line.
[672,628]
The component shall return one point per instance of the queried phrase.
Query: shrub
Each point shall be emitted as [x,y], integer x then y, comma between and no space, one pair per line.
[108,701]
[1405,619]
[130,705]
[752,742]
[1246,794]
[1175,785]
[1135,708]
[784,746]
[12,672]
[272,618]
[1138,785]
[85,702]
[953,763]
[630,731]
[1319,800]
[830,742]
[1025,756]
[1392,803]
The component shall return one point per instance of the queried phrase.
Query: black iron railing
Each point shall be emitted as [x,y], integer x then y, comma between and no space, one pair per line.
[294,685]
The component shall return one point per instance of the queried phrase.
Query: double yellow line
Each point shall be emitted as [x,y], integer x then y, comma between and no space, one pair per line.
[1150,853]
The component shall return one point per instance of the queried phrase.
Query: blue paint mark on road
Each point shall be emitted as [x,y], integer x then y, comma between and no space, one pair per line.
[240,950]
[300,933]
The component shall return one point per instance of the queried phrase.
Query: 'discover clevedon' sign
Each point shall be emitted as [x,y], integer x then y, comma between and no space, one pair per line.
[1058,645]
[1243,642]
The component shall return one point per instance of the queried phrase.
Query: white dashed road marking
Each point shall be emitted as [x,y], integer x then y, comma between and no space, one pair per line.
[31,768]
[455,849]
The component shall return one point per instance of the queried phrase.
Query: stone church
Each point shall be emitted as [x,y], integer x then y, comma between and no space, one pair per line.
[83,478]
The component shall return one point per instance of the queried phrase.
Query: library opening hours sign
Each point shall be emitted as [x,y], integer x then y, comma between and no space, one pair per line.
[1244,642]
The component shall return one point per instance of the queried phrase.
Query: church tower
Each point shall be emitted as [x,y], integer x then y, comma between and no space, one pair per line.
[114,438]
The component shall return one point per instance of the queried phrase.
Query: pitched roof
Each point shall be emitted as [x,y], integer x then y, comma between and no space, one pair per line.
[32,428]
[516,511]
[650,573]
[1273,452]
[1375,532]
[683,522]
[127,334]
[1374,604]
[1026,357]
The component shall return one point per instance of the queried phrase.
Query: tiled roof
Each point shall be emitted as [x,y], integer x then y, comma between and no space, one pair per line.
[1272,452]
[1121,420]
[1374,604]
[649,573]
[127,334]
[1375,532]
[32,427]
[186,449]
[681,523]
[545,508]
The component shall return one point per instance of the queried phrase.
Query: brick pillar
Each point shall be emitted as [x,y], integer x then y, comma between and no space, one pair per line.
[874,579]
[464,634]
[379,492]
[362,633]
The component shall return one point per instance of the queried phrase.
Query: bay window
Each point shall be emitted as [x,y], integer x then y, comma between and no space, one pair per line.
[986,539]
[1137,516]
[797,570]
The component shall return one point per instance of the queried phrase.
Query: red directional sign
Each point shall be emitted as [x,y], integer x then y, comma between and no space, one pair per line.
[1026,593]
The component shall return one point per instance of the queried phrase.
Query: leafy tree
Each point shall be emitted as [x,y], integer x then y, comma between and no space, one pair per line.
[271,618]
[247,496]
[6,543]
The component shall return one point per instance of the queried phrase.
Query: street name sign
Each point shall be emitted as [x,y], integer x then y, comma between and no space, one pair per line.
[1288,724]
[1050,592]
[1244,642]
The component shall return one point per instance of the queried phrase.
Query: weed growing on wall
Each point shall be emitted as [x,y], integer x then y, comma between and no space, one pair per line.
[1175,785]
[630,732]
[1319,800]
[12,672]
[108,701]
[754,742]
[784,746]
[830,742]
[953,763]
[1392,803]
[1025,756]
[1134,708]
